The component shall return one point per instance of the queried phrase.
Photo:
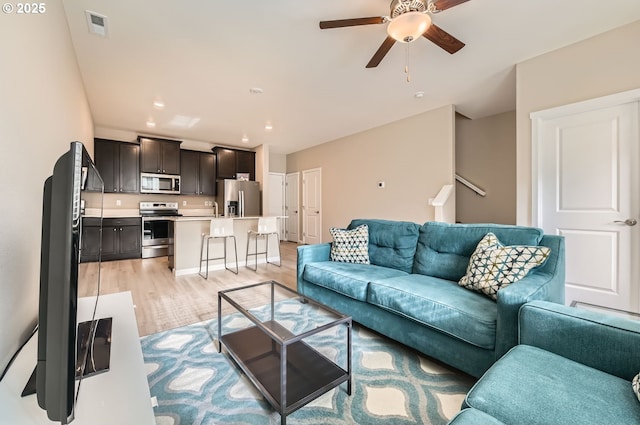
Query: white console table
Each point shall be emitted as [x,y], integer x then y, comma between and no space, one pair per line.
[119,396]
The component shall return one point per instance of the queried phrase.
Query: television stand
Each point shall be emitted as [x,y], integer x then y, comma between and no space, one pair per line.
[91,359]
[120,396]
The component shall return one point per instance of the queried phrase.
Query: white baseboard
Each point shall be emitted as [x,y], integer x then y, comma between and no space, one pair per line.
[220,266]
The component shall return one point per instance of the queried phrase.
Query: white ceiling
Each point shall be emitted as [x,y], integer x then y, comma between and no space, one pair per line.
[201,57]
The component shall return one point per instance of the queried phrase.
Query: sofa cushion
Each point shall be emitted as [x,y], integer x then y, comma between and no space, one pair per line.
[349,279]
[350,246]
[439,304]
[444,249]
[494,266]
[533,386]
[391,243]
[473,417]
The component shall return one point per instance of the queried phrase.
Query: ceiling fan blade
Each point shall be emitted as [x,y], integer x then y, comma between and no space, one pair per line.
[339,23]
[387,44]
[447,4]
[443,39]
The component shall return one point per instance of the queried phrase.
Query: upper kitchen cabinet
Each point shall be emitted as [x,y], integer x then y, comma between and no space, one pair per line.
[159,156]
[197,173]
[230,162]
[119,165]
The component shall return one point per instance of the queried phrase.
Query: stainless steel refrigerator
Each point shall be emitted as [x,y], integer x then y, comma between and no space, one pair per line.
[238,198]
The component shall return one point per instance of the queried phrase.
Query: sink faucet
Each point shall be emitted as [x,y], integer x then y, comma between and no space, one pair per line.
[215,209]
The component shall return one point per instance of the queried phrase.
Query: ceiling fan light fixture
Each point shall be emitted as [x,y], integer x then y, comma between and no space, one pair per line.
[409,26]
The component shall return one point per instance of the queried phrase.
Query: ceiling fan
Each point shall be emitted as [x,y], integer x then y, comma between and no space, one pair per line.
[408,20]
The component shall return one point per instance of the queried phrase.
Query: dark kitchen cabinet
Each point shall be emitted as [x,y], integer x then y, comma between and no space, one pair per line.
[119,165]
[246,163]
[121,239]
[230,162]
[159,156]
[197,173]
[90,244]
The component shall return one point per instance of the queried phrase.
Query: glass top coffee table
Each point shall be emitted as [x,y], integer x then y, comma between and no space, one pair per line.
[275,347]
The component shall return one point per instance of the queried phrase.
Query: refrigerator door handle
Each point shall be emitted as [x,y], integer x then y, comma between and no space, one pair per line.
[241,202]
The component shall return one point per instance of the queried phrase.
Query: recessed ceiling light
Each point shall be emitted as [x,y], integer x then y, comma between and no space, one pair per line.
[158,104]
[268,126]
[151,123]
[256,90]
[245,139]
[419,95]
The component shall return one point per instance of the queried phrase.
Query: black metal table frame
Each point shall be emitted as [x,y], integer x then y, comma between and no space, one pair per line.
[277,341]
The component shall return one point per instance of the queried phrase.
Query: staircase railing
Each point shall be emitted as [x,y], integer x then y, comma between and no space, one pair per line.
[444,205]
[470,185]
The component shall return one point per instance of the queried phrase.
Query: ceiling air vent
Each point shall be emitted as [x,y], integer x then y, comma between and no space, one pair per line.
[97,23]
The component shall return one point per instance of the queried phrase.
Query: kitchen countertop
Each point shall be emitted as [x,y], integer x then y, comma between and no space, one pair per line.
[192,214]
[209,217]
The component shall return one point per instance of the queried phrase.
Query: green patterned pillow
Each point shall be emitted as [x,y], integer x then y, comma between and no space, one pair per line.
[350,246]
[635,384]
[494,266]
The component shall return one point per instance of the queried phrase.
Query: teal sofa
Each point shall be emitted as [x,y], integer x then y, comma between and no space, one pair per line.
[409,292]
[572,367]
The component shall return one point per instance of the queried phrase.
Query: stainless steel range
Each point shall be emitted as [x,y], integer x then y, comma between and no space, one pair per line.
[157,228]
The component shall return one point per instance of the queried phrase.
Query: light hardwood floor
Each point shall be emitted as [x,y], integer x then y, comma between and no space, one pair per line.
[164,301]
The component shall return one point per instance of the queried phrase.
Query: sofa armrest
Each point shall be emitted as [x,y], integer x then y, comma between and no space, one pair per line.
[311,254]
[602,341]
[545,283]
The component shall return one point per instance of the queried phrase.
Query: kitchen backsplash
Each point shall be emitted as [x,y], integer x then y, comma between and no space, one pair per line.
[132,201]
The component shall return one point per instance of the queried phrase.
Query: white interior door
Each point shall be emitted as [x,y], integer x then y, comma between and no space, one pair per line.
[588,191]
[275,199]
[292,207]
[311,206]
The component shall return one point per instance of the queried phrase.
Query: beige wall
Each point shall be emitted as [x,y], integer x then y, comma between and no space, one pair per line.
[413,156]
[43,108]
[606,64]
[277,163]
[486,156]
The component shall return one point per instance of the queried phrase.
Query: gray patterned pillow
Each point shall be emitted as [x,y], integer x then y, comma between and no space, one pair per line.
[494,266]
[635,384]
[350,246]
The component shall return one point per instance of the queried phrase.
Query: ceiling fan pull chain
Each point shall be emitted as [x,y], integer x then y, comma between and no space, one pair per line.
[406,67]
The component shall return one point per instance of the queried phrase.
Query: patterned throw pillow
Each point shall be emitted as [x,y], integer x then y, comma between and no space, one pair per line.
[635,384]
[494,266]
[350,246]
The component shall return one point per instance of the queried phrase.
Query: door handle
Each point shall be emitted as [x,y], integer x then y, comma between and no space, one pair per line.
[628,222]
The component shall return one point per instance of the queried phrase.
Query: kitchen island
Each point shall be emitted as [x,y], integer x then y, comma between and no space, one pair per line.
[187,239]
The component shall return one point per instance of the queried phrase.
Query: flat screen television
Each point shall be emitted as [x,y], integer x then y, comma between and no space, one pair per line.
[66,349]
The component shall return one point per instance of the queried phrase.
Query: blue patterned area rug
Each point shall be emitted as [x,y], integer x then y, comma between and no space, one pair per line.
[195,385]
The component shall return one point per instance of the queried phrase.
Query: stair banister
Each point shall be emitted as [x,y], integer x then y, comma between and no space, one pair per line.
[470,185]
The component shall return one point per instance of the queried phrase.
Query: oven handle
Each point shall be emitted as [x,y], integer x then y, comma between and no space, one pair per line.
[157,218]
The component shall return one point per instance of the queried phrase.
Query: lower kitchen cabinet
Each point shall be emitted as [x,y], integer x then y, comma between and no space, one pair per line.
[121,239]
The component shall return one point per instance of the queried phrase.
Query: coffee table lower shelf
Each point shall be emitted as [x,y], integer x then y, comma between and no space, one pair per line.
[308,373]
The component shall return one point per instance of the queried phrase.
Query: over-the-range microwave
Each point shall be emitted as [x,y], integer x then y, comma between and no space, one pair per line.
[159,183]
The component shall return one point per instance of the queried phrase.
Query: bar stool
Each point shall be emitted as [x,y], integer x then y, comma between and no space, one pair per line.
[220,228]
[267,226]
